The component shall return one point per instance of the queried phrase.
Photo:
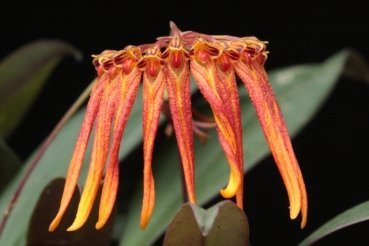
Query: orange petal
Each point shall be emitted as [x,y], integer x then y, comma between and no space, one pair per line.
[153,89]
[110,189]
[128,86]
[79,150]
[230,96]
[221,97]
[178,87]
[99,154]
[254,77]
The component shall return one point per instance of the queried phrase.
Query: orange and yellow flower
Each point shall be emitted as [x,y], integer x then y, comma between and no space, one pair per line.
[165,68]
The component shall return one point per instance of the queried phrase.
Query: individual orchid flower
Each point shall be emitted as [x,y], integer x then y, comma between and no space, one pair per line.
[250,69]
[165,67]
[211,68]
[111,102]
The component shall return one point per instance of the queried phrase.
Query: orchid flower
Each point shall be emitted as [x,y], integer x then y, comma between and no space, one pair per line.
[164,68]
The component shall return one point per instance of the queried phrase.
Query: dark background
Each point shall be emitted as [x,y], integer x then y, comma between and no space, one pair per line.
[332,149]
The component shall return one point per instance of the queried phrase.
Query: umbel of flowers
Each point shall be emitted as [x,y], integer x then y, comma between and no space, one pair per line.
[164,68]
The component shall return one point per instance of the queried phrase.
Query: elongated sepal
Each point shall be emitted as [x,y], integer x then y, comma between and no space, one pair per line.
[218,86]
[229,95]
[99,154]
[153,90]
[110,189]
[254,77]
[127,91]
[178,87]
[79,150]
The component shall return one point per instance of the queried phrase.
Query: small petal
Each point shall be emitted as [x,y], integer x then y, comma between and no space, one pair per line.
[178,87]
[80,148]
[128,87]
[153,90]
[253,75]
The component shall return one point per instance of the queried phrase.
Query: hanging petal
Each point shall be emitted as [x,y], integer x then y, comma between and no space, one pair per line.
[230,98]
[80,148]
[153,90]
[99,153]
[129,79]
[219,90]
[251,71]
[178,87]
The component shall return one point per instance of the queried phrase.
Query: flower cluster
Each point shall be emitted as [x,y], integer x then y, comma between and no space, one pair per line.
[165,68]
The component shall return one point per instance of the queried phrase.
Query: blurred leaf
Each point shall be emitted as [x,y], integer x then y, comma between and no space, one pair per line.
[351,216]
[222,224]
[9,164]
[54,164]
[300,91]
[22,75]
[46,208]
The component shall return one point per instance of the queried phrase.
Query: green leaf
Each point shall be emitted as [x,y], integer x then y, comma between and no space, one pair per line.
[9,164]
[222,224]
[22,75]
[300,91]
[351,216]
[54,164]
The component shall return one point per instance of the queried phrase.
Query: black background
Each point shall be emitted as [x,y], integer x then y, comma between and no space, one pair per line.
[332,149]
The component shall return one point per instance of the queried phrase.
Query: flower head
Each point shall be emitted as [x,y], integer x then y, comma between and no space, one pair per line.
[165,68]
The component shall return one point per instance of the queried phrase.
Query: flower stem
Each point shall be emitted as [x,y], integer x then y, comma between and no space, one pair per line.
[44,146]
